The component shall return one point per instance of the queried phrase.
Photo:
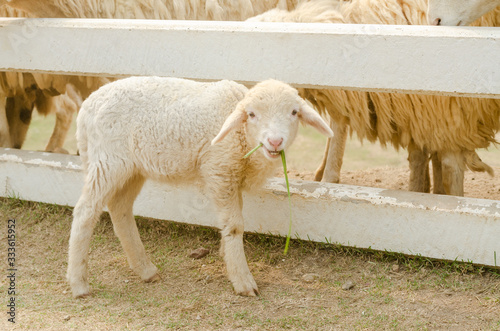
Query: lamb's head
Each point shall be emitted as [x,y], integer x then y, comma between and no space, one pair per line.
[271,112]
[458,12]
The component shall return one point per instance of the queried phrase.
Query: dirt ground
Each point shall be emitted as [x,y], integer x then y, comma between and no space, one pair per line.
[476,185]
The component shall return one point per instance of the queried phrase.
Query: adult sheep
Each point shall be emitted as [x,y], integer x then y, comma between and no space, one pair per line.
[220,10]
[179,131]
[458,12]
[128,9]
[21,93]
[451,127]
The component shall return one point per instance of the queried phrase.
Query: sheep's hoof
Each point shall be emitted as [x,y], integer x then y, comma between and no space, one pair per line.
[81,296]
[80,291]
[247,289]
[155,278]
[59,150]
[251,293]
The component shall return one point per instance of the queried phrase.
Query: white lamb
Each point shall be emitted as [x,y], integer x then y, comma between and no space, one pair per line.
[458,12]
[179,131]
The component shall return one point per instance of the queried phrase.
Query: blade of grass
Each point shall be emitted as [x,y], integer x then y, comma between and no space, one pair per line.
[253,150]
[283,160]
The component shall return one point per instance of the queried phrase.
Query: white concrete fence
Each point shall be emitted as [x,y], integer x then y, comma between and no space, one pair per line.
[416,59]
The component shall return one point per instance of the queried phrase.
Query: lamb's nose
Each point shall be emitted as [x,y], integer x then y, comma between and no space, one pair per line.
[275,142]
[437,21]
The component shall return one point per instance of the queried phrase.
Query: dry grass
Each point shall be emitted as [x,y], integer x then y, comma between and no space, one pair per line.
[391,291]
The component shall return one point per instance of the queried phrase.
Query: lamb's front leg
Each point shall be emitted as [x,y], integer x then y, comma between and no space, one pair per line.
[232,227]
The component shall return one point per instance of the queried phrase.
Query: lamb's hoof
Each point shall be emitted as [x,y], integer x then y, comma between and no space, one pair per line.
[251,293]
[81,296]
[81,291]
[247,288]
[155,278]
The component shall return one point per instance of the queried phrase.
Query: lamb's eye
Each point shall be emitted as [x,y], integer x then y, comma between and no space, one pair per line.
[251,114]
[294,112]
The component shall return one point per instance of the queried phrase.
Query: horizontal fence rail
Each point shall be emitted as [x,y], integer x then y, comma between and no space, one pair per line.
[414,59]
[442,227]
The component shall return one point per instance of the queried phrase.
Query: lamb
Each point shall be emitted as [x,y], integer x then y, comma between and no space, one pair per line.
[458,12]
[449,127]
[168,129]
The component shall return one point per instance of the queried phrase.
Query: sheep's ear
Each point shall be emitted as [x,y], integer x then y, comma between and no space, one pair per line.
[237,117]
[309,116]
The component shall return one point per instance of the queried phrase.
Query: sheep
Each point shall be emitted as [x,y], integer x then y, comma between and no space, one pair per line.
[450,128]
[177,131]
[220,10]
[458,12]
[20,93]
[140,9]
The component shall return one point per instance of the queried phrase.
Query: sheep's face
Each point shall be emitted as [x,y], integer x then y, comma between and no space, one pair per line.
[458,12]
[271,112]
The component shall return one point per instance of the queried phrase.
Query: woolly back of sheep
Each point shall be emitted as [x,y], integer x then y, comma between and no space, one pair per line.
[435,122]
[154,9]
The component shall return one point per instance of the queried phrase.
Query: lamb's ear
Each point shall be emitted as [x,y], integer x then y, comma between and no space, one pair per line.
[237,117]
[309,116]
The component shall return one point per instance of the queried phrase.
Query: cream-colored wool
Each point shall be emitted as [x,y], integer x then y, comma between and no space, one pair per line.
[454,127]
[179,131]
[221,10]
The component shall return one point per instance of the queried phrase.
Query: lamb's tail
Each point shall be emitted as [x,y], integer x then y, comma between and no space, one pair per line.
[474,163]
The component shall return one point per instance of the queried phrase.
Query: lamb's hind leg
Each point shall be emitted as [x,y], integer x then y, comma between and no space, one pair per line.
[100,183]
[85,216]
[120,208]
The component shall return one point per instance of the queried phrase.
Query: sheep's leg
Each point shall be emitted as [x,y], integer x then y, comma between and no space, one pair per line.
[120,208]
[4,124]
[64,113]
[232,226]
[19,109]
[100,184]
[419,169]
[453,173]
[67,105]
[85,216]
[437,174]
[318,175]
[329,169]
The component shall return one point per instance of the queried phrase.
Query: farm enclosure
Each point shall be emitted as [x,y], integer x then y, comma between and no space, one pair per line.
[413,199]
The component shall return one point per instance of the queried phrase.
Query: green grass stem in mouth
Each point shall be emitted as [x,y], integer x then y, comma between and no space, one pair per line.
[283,160]
[253,150]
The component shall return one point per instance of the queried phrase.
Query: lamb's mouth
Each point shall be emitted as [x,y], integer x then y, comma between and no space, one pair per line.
[272,154]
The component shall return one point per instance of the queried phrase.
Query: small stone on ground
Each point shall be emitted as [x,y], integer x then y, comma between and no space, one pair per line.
[348,285]
[309,278]
[199,253]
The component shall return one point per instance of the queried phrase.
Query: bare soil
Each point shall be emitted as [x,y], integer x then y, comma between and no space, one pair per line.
[476,184]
